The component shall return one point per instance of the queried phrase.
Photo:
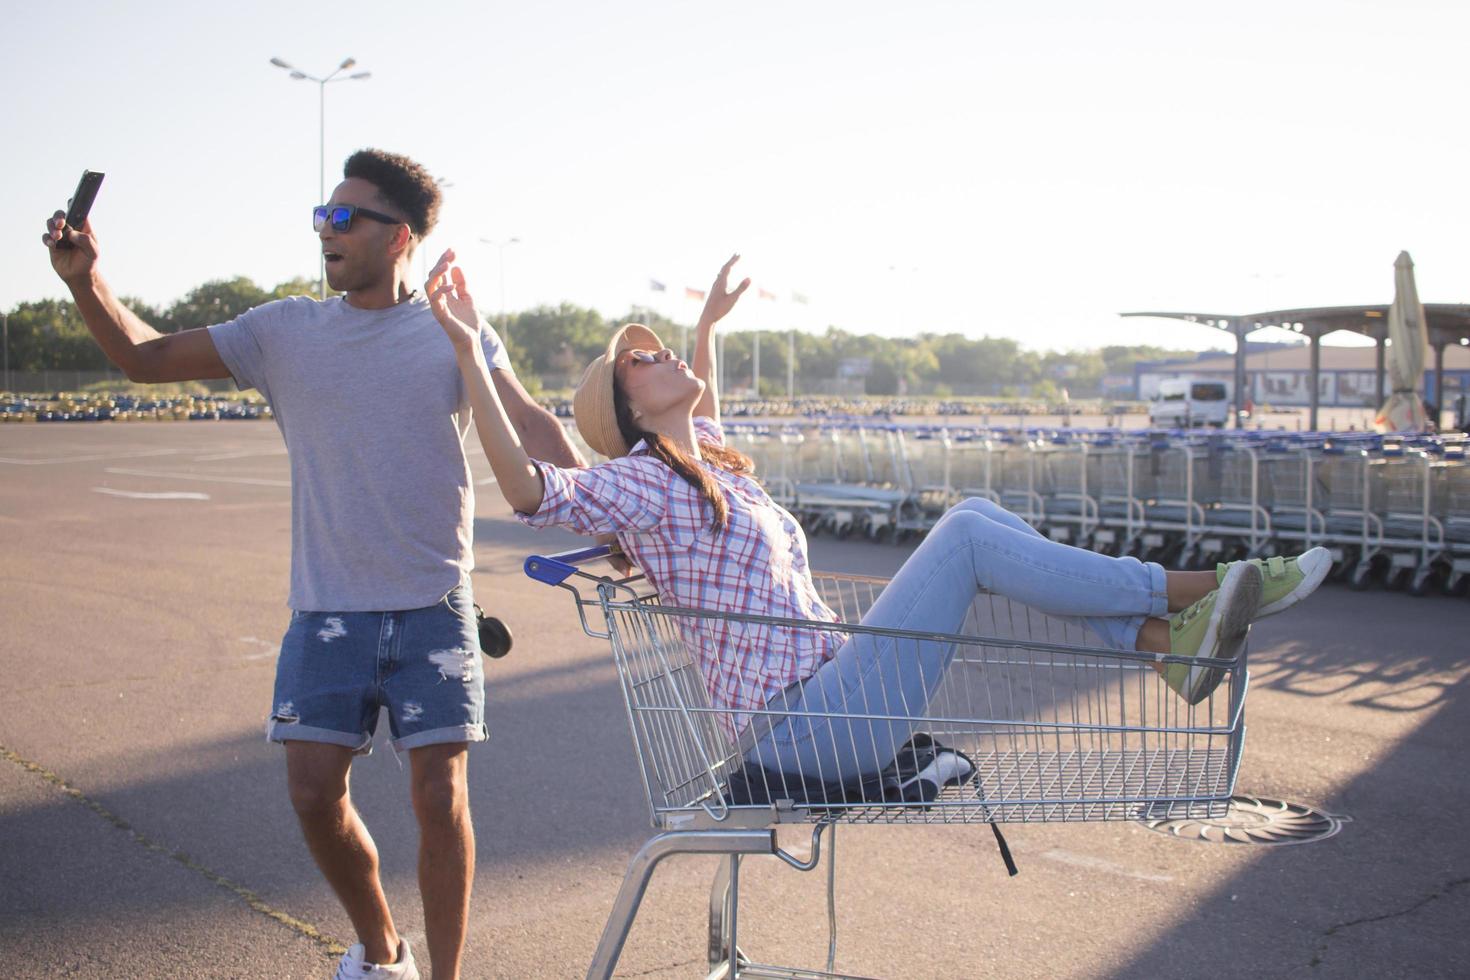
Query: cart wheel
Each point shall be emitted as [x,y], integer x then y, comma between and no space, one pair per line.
[1362,576]
[1397,579]
[843,530]
[1422,582]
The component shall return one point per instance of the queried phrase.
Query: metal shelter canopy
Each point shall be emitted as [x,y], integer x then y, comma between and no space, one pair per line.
[1448,323]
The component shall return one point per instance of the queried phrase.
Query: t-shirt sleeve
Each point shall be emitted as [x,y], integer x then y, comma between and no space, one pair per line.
[707,429]
[244,344]
[495,354]
[626,494]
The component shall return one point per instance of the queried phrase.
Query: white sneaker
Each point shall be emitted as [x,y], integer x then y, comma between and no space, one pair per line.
[354,967]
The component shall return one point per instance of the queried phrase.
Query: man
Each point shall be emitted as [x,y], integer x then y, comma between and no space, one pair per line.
[368,397]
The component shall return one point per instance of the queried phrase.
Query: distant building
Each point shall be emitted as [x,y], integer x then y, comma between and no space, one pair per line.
[1118,386]
[1280,375]
[1063,371]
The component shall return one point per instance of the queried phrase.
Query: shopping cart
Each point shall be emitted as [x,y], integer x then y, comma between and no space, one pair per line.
[1057,729]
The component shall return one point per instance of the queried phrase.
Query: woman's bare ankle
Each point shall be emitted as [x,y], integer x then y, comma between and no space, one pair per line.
[1153,636]
[1186,588]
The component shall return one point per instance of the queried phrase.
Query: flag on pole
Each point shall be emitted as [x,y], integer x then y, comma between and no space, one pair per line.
[695,294]
[656,286]
[798,298]
[764,294]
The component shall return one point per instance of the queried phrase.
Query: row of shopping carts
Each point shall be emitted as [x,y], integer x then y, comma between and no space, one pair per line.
[1392,509]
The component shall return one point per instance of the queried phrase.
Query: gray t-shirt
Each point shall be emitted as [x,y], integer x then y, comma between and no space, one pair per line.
[374,415]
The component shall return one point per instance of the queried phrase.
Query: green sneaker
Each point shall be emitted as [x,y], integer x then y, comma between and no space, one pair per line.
[1286,581]
[1216,626]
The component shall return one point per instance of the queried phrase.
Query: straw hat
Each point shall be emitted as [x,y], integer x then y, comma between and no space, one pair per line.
[592,404]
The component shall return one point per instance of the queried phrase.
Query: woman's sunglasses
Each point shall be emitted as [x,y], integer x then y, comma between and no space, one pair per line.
[342,214]
[642,356]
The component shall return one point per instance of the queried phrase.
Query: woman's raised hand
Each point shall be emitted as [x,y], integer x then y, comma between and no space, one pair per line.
[450,300]
[722,298]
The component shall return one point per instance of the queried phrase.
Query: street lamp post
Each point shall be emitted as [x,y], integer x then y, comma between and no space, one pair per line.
[504,317]
[322,131]
[791,366]
[5,324]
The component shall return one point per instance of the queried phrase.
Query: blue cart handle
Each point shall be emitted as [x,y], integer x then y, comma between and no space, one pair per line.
[556,569]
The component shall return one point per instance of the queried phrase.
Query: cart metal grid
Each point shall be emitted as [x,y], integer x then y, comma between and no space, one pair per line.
[1058,728]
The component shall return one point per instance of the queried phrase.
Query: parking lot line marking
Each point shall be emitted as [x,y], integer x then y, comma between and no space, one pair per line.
[175,475]
[15,461]
[147,843]
[271,649]
[166,495]
[1098,864]
[239,454]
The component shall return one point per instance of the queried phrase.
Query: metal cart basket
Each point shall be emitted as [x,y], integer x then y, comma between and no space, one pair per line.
[1057,728]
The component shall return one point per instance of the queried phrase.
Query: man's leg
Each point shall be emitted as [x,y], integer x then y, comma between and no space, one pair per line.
[446,850]
[317,775]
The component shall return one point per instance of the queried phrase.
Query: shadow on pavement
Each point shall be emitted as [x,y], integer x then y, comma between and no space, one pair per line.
[1389,896]
[556,783]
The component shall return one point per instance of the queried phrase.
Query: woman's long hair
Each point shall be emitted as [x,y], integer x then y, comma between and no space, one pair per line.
[662,448]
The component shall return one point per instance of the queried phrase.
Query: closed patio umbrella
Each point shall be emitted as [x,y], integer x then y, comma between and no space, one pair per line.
[1404,410]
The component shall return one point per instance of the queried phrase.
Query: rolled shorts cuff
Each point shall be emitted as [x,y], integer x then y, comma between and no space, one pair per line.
[439,736]
[1158,583]
[361,743]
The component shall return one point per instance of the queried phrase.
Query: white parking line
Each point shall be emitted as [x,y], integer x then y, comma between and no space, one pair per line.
[270,648]
[14,461]
[167,495]
[1098,864]
[240,454]
[175,475]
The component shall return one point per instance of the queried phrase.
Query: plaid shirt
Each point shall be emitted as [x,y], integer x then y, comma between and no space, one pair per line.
[757,565]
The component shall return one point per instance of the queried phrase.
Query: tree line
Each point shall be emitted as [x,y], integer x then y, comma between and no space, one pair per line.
[549,346]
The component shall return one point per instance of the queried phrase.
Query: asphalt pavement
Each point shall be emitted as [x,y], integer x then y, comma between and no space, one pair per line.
[145,829]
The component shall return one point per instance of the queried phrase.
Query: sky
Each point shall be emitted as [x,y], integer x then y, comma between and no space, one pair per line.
[1015,170]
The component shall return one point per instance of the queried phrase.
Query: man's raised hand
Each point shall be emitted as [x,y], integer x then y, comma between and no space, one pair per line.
[73,251]
[450,300]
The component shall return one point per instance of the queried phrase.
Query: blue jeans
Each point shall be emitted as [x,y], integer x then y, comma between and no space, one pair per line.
[976,545]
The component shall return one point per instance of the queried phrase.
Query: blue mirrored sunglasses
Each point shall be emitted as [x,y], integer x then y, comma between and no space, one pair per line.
[341,216]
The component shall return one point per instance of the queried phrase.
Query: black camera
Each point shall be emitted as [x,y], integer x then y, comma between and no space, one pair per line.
[495,638]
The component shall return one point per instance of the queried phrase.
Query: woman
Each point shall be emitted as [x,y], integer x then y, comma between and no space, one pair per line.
[687,509]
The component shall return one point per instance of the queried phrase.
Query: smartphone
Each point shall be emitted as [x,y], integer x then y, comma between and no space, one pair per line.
[81,201]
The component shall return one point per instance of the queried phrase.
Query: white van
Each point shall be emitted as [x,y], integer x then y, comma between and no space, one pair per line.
[1183,403]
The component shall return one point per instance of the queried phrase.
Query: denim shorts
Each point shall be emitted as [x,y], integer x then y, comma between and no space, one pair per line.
[336,672]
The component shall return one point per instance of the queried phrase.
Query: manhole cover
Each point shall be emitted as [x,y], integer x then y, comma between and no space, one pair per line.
[1255,820]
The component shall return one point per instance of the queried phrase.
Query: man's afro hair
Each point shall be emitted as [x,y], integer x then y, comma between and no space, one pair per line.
[402,183]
